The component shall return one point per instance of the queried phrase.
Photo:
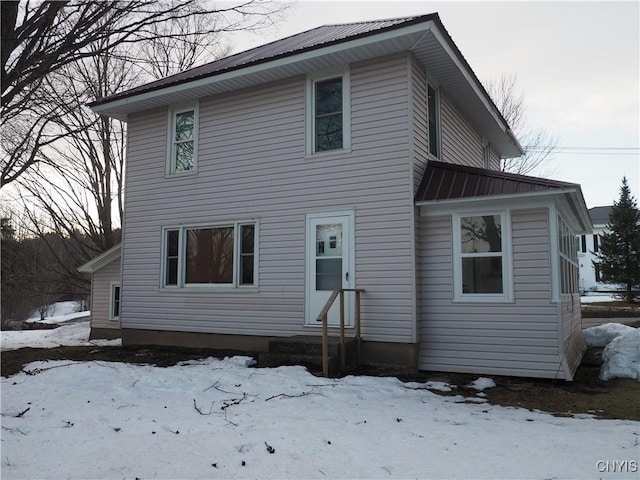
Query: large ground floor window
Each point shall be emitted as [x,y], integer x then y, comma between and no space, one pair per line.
[216,254]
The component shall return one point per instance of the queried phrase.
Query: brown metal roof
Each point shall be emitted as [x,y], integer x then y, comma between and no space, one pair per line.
[305,41]
[445,181]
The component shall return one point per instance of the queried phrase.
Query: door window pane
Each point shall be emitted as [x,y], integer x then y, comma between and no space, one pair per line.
[329,240]
[328,273]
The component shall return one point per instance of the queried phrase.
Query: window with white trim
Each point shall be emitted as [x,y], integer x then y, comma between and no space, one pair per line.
[433,120]
[481,257]
[182,137]
[114,301]
[568,258]
[328,112]
[215,254]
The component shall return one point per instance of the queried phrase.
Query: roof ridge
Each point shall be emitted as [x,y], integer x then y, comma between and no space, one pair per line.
[377,20]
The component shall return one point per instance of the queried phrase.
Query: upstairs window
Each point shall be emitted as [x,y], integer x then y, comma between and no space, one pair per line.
[183,139]
[433,120]
[328,119]
[222,255]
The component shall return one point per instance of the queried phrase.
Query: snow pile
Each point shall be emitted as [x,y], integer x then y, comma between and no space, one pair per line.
[601,335]
[76,334]
[598,297]
[621,357]
[222,419]
[482,383]
[60,312]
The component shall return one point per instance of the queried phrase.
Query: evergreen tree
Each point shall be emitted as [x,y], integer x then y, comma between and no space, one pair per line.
[619,255]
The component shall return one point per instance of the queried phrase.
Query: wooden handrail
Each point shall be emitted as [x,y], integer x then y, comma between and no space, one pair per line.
[323,317]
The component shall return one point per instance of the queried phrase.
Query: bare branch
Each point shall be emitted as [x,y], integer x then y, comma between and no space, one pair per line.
[538,144]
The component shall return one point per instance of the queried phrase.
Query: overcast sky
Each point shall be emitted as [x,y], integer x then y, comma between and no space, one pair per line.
[577,64]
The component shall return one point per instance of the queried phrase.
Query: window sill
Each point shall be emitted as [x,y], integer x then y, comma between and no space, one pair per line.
[186,173]
[327,154]
[483,300]
[208,289]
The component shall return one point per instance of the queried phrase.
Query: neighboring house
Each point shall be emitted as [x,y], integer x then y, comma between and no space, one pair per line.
[588,246]
[362,155]
[105,293]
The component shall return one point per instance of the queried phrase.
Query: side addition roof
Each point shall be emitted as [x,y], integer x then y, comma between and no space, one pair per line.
[445,182]
[101,260]
[323,48]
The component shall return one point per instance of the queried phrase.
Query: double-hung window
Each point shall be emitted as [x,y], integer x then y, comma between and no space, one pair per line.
[182,146]
[215,255]
[481,271]
[433,120]
[328,112]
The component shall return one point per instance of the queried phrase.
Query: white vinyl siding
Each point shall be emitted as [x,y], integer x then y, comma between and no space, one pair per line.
[461,142]
[102,282]
[252,163]
[520,338]
[419,104]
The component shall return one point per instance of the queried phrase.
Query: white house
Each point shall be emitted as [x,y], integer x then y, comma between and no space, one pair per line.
[358,156]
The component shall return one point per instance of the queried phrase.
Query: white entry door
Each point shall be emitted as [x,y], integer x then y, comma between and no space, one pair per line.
[330,264]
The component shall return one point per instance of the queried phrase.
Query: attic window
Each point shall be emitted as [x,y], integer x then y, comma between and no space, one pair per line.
[183,139]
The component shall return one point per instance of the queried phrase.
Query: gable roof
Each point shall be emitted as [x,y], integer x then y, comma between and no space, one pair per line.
[326,47]
[446,183]
[101,260]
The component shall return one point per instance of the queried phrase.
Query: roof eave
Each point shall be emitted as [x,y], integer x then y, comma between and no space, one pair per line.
[101,260]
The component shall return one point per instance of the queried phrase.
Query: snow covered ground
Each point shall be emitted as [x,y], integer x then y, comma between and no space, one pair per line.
[59,312]
[591,297]
[224,419]
[75,334]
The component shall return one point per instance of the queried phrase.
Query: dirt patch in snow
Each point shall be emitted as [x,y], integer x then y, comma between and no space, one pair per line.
[587,394]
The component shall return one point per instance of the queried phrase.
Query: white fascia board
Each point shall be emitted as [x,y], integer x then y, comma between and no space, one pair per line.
[267,65]
[533,199]
[101,260]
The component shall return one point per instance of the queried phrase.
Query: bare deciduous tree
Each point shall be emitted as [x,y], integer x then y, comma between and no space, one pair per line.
[538,144]
[39,38]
